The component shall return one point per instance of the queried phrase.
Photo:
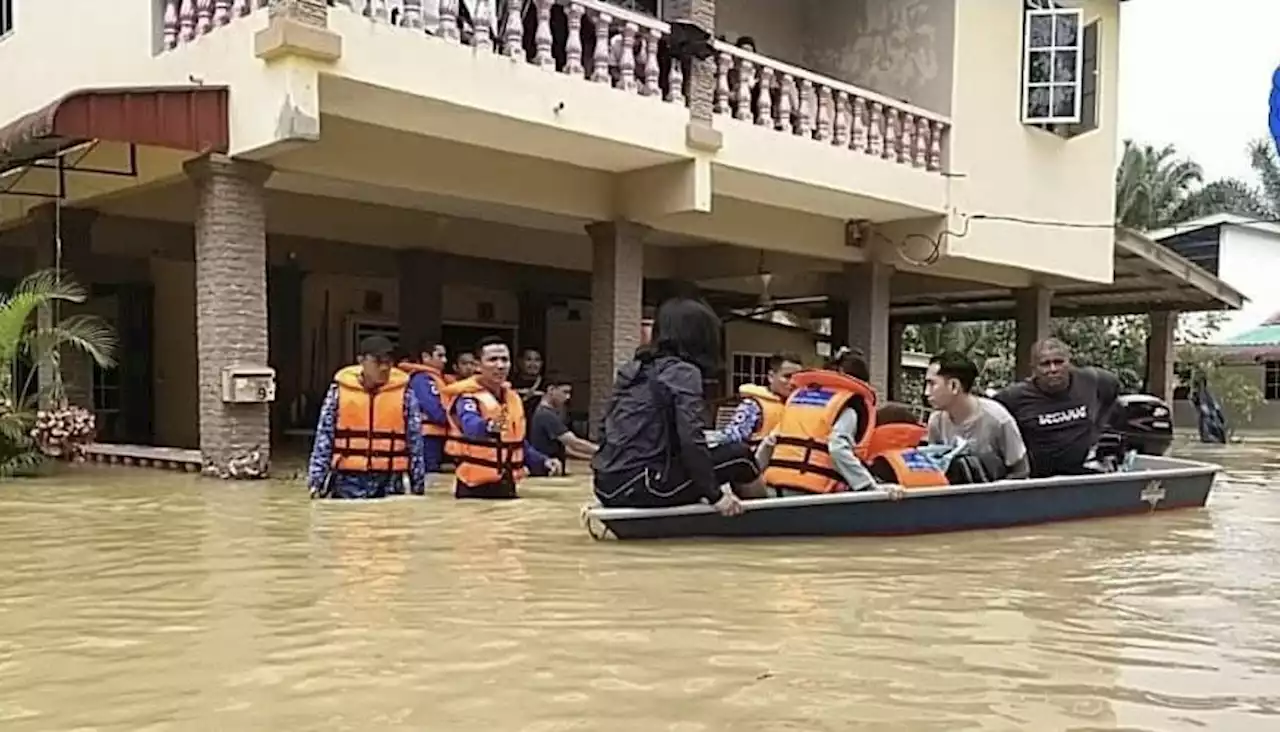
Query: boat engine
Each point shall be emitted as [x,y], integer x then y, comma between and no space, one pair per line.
[1144,422]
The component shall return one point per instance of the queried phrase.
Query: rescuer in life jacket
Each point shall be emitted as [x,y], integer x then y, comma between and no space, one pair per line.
[368,440]
[487,430]
[760,410]
[824,431]
[427,382]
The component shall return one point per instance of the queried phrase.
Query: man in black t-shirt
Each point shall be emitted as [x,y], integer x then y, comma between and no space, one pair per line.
[1061,410]
[548,432]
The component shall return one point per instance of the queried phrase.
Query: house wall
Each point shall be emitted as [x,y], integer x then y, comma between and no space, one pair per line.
[1248,260]
[1003,168]
[900,48]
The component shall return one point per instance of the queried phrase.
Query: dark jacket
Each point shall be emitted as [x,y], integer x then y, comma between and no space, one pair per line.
[654,419]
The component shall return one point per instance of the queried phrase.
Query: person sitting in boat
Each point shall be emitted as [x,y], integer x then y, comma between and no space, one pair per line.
[825,429]
[368,440]
[487,437]
[652,437]
[984,424]
[427,381]
[1061,410]
[760,410]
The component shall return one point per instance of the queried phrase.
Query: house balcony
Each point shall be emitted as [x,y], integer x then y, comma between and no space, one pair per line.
[591,84]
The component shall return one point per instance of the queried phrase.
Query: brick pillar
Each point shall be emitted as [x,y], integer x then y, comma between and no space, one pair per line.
[1160,354]
[307,12]
[617,303]
[421,298]
[866,289]
[1032,318]
[701,75]
[231,304]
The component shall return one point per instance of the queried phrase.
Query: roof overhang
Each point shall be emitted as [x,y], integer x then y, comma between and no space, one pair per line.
[1148,276]
[191,118]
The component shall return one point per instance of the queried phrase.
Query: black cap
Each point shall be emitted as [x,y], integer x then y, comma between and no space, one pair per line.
[376,346]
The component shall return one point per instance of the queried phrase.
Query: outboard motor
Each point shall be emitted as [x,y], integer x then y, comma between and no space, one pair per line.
[1145,423]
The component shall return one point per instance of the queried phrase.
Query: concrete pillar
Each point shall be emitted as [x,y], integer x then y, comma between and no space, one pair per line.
[1160,354]
[617,304]
[421,299]
[865,289]
[894,392]
[1032,318]
[231,305]
[701,76]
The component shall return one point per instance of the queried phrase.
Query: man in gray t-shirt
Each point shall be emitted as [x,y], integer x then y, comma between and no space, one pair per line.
[984,423]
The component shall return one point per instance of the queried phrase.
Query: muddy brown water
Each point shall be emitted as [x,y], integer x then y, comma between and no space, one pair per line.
[139,601]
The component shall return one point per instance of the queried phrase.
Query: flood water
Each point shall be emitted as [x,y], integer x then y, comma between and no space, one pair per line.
[141,601]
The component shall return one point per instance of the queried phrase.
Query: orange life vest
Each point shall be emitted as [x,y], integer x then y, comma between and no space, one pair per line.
[909,468]
[486,460]
[897,436]
[370,432]
[429,429]
[801,460]
[771,406]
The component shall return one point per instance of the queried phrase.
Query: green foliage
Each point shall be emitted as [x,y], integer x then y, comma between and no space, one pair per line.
[1238,394]
[1155,188]
[1118,343]
[22,337]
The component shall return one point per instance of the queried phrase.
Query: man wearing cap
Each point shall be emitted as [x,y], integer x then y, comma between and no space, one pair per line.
[369,441]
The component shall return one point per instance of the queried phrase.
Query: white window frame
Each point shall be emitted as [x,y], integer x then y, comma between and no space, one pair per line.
[1076,84]
[6,18]
[751,377]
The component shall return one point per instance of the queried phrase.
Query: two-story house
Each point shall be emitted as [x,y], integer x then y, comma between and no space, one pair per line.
[254,182]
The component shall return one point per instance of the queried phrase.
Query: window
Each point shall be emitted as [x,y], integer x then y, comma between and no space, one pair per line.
[1059,69]
[750,368]
[1271,381]
[6,16]
[1052,66]
[106,389]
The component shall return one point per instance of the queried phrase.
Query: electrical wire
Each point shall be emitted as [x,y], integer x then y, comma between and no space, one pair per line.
[936,242]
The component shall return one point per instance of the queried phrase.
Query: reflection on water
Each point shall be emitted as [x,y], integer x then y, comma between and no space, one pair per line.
[149,601]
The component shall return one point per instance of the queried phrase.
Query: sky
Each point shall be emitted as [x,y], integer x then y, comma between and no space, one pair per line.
[1197,74]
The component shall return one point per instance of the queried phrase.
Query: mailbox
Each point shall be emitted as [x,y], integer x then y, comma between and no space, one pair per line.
[248,384]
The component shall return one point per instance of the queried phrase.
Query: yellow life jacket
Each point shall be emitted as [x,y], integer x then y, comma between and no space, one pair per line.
[370,432]
[801,460]
[771,406]
[485,460]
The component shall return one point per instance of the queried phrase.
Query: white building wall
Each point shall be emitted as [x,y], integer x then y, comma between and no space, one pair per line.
[1249,261]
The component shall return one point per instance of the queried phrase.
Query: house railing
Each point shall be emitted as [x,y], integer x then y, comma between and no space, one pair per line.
[601,43]
[593,40]
[793,101]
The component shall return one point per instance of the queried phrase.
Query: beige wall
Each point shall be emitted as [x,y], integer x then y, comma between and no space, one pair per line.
[1005,168]
[745,337]
[900,48]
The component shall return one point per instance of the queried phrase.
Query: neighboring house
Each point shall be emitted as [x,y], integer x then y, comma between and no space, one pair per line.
[1254,355]
[1242,252]
[245,186]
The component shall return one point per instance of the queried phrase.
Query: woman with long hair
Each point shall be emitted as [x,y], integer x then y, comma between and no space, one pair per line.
[653,447]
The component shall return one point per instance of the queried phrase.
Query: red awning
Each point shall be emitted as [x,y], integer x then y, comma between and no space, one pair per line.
[182,118]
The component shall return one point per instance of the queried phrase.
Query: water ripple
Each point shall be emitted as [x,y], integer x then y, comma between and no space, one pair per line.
[142,601]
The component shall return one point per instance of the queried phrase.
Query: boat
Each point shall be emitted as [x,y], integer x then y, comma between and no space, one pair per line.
[1151,484]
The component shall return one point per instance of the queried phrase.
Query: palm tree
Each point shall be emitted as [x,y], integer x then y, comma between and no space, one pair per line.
[1155,189]
[1152,185]
[21,335]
